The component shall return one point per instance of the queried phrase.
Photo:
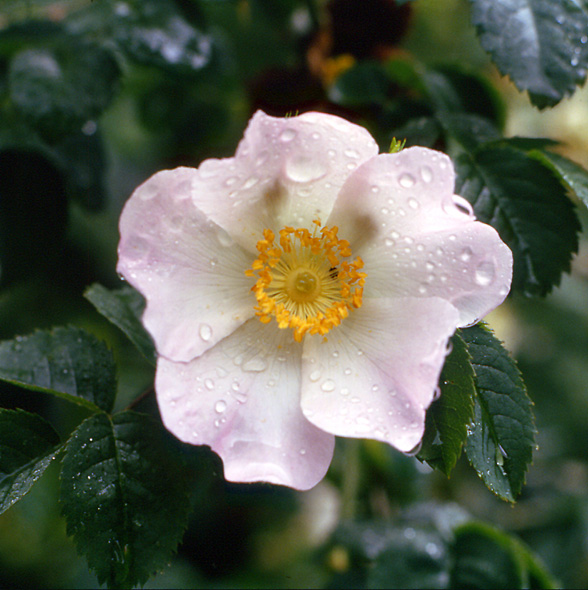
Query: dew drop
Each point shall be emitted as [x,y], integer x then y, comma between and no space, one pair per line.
[304,169]
[406,180]
[254,365]
[328,385]
[351,153]
[220,406]
[224,239]
[315,376]
[148,192]
[287,135]
[463,206]
[426,174]
[209,384]
[484,274]
[347,371]
[389,242]
[466,254]
[344,391]
[262,158]
[250,182]
[240,396]
[385,210]
[413,204]
[205,332]
[302,451]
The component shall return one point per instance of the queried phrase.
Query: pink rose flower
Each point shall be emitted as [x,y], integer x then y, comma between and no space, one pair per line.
[305,288]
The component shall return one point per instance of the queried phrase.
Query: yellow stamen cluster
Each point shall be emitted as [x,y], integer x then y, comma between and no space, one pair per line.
[305,280]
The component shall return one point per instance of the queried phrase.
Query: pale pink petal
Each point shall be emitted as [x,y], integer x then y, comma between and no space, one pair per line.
[417,238]
[375,375]
[287,171]
[242,398]
[189,270]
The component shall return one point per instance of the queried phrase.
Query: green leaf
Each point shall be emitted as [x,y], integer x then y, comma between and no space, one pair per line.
[67,362]
[541,44]
[529,208]
[449,416]
[572,175]
[485,557]
[27,446]
[124,308]
[125,497]
[502,437]
[455,90]
[61,82]
[155,33]
[418,559]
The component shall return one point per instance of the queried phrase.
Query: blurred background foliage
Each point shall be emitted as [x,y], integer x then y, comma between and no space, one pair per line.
[97,95]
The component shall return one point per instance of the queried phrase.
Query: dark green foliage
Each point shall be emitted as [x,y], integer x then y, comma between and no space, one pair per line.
[541,44]
[486,557]
[125,497]
[97,95]
[27,446]
[502,434]
[435,546]
[67,362]
[124,308]
[33,212]
[449,416]
[528,206]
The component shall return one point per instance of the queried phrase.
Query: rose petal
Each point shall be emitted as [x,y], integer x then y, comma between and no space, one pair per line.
[376,374]
[285,172]
[189,270]
[417,238]
[242,398]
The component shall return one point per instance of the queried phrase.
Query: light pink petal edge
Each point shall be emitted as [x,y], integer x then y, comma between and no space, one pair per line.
[417,238]
[286,171]
[242,398]
[189,270]
[376,374]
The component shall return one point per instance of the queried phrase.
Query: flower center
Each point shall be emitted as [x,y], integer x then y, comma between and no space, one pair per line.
[306,281]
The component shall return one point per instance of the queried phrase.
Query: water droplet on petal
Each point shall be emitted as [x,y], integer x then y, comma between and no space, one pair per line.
[224,239]
[315,376]
[463,206]
[287,135]
[426,174]
[304,169]
[220,406]
[250,182]
[328,385]
[148,192]
[261,158]
[209,384]
[406,180]
[205,332]
[466,254]
[254,365]
[413,204]
[351,153]
[484,274]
